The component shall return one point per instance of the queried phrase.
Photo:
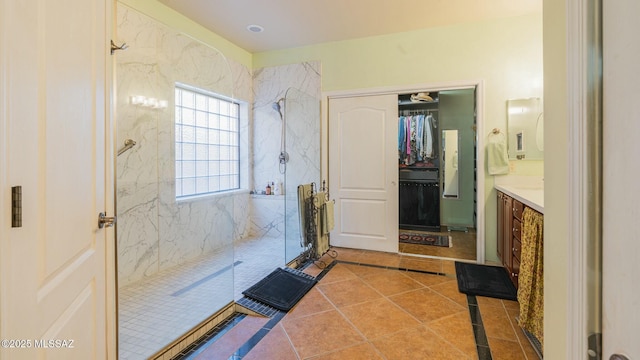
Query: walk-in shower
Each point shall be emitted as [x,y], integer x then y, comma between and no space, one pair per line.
[175,257]
[283,158]
[181,260]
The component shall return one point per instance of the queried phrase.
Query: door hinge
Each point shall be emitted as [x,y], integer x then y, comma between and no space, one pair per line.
[595,346]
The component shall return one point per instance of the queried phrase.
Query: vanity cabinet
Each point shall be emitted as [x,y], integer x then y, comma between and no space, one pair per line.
[501,226]
[516,242]
[509,228]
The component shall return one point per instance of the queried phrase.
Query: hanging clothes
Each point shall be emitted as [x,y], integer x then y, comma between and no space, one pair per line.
[413,156]
[409,124]
[402,133]
[420,137]
[416,142]
[428,151]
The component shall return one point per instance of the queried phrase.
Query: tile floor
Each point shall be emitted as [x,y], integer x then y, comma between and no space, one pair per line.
[154,312]
[385,311]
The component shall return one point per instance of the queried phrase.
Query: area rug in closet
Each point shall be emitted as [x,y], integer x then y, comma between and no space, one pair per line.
[425,239]
[485,280]
[282,289]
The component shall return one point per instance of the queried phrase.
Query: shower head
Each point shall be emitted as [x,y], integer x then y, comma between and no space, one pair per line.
[276,105]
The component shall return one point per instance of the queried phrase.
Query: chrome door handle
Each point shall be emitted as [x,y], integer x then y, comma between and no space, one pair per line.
[106,221]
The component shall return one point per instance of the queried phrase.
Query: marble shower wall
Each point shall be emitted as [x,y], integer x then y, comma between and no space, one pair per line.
[300,84]
[155,231]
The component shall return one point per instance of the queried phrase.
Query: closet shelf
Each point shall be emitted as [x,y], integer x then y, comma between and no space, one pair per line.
[417,104]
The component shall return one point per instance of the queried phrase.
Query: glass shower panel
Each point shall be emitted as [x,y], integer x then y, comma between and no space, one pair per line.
[302,143]
[175,257]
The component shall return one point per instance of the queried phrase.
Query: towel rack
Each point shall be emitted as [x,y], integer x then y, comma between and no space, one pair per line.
[314,249]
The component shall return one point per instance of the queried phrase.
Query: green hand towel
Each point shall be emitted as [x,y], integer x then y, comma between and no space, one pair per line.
[497,159]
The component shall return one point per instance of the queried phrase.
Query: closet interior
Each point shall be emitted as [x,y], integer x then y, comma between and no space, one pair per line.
[437,156]
[418,161]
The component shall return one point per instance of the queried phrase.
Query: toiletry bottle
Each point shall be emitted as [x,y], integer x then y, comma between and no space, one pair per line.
[273,188]
[268,190]
[277,189]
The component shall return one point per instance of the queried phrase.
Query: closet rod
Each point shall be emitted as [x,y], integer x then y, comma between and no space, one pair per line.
[417,112]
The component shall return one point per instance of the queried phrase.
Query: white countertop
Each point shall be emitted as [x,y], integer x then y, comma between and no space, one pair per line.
[530,193]
[533,198]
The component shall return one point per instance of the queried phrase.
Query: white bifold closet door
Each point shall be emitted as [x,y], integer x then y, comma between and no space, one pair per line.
[363,171]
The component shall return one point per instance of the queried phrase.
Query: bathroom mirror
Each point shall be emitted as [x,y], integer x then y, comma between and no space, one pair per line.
[450,164]
[525,124]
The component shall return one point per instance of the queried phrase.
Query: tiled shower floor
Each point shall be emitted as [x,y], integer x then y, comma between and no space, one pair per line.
[156,311]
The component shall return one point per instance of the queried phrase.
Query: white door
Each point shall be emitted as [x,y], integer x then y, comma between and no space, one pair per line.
[54,81]
[621,169]
[363,171]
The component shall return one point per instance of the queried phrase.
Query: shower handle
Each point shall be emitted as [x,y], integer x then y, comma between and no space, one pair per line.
[284,157]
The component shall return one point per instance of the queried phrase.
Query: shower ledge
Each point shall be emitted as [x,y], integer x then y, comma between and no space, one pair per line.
[262,196]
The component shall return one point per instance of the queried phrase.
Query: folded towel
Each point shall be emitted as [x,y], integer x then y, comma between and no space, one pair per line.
[319,199]
[304,196]
[327,217]
[321,240]
[497,158]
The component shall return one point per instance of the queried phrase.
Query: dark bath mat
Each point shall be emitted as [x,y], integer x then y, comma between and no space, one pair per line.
[425,239]
[485,280]
[281,289]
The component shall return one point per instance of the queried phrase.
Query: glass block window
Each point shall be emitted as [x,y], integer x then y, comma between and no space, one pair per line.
[207,143]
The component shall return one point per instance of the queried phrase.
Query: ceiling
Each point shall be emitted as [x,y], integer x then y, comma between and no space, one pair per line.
[295,23]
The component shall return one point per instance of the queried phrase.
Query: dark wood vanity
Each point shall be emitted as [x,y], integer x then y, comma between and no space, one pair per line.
[510,234]
[512,201]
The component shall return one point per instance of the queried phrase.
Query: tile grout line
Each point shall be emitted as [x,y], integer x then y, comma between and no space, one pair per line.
[392,268]
[482,343]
